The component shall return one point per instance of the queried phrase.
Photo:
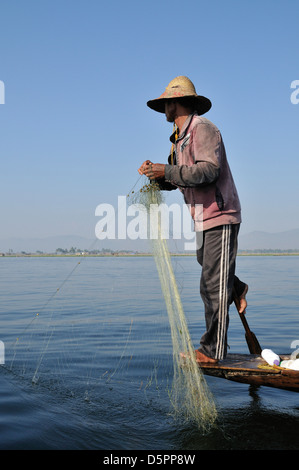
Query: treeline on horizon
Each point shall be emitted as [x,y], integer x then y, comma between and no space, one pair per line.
[108,251]
[261,251]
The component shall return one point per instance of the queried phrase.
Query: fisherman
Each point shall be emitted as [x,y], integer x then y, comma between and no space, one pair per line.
[199,168]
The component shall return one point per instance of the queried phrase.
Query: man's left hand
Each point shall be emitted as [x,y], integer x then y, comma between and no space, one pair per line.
[155,171]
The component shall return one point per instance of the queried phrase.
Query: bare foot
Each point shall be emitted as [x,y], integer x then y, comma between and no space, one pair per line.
[200,357]
[243,301]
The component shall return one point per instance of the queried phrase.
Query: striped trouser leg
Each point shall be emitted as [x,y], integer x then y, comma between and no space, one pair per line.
[217,257]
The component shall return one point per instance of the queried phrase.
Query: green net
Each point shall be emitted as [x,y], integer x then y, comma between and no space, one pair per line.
[190,394]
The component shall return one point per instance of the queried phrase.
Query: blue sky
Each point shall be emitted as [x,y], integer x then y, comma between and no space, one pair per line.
[75,126]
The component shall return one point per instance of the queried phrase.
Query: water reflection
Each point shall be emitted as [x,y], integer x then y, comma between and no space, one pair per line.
[256,426]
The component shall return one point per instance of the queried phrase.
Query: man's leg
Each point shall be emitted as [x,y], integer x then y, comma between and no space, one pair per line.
[217,258]
[240,290]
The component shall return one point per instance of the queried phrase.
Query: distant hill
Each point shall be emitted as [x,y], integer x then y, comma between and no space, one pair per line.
[257,240]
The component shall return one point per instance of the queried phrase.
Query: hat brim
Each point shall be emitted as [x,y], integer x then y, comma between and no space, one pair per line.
[201,104]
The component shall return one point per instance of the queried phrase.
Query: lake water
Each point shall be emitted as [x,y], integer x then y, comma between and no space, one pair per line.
[88,356]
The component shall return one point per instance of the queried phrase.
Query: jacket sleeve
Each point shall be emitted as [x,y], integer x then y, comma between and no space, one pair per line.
[205,149]
[165,185]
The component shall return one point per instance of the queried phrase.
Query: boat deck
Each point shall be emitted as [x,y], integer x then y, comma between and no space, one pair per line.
[252,369]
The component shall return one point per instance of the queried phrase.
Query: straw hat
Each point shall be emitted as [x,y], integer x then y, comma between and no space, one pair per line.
[181,87]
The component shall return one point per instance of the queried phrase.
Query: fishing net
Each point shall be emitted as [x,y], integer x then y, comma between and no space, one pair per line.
[91,336]
[189,394]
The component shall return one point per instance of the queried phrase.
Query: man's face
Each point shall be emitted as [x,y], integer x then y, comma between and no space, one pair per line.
[170,110]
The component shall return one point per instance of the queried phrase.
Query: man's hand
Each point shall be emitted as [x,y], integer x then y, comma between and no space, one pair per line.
[143,167]
[152,170]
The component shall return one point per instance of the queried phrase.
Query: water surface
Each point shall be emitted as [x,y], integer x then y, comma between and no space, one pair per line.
[88,355]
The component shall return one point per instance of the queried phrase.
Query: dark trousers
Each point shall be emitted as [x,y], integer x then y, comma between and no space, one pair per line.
[217,256]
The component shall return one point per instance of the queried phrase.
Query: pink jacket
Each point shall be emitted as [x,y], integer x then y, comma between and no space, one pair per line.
[202,173]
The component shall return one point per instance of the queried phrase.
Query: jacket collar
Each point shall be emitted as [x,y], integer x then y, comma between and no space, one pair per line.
[184,129]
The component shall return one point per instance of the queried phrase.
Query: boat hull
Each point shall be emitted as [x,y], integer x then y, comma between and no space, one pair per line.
[252,369]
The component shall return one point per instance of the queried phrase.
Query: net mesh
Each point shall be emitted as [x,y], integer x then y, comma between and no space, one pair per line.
[60,349]
[189,394]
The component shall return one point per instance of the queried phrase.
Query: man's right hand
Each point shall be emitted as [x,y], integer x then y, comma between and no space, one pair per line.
[144,167]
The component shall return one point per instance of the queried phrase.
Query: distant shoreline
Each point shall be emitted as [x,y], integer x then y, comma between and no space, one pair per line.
[131,255]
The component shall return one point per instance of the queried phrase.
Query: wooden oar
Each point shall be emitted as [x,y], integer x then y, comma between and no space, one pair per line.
[252,342]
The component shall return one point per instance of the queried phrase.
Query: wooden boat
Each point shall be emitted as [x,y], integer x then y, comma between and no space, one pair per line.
[252,369]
